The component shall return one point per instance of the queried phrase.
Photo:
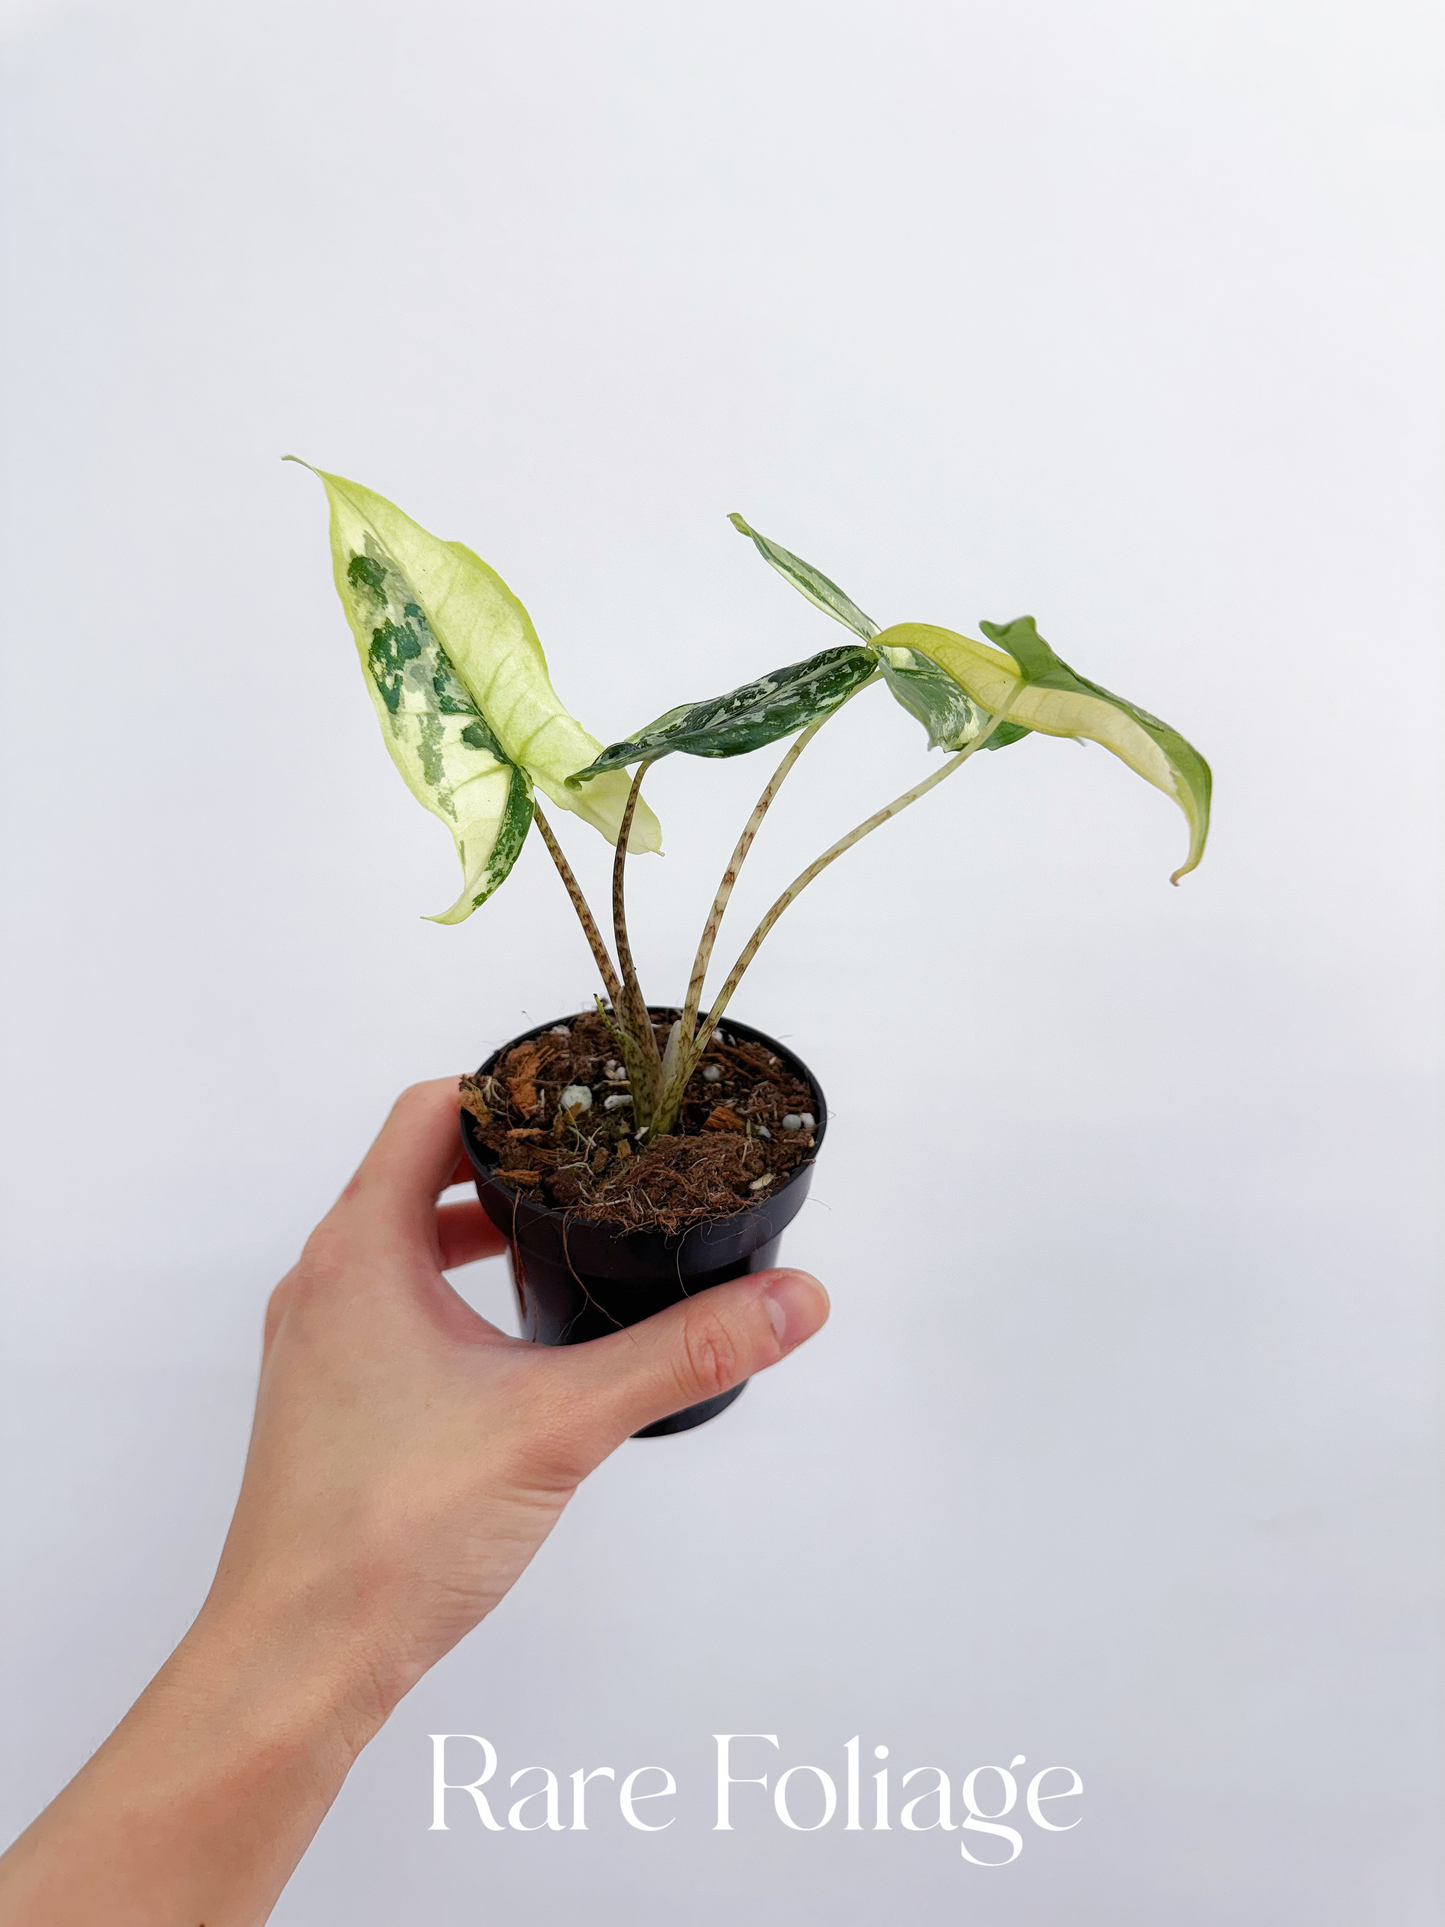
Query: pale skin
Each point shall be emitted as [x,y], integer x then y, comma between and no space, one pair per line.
[406,1461]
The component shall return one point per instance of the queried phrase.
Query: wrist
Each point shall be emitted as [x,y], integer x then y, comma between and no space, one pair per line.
[266,1662]
[201,1802]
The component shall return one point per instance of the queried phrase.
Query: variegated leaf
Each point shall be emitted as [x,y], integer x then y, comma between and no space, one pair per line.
[437,736]
[940,704]
[934,698]
[746,718]
[487,637]
[1043,693]
[811,582]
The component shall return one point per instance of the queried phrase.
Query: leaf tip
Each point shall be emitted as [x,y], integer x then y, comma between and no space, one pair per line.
[738,523]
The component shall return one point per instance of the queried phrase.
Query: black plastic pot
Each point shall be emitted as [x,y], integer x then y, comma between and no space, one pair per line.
[576,1280]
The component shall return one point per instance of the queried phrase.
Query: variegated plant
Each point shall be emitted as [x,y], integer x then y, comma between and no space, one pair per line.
[460,686]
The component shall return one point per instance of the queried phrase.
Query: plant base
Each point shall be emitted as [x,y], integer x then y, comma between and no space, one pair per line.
[577,1279]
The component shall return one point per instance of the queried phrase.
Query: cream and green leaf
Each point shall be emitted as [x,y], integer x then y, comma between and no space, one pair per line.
[438,737]
[1042,692]
[925,691]
[460,686]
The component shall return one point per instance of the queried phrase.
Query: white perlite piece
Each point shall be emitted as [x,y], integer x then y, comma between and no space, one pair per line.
[763,1131]
[576,1097]
[616,1101]
[614,1073]
[712,1072]
[761,1184]
[807,1120]
[792,1122]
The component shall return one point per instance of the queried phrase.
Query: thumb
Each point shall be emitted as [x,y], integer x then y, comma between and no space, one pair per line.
[691,1351]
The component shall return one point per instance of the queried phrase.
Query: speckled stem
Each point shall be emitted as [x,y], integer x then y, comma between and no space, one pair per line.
[730,877]
[681,1060]
[643,1059]
[579,904]
[816,868]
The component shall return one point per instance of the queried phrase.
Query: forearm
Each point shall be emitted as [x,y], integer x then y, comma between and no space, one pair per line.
[406,1461]
[198,1807]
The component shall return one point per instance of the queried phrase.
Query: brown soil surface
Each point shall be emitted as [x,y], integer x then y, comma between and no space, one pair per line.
[592,1163]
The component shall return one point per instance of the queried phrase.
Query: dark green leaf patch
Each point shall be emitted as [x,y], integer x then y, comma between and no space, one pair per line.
[476,735]
[511,835]
[423,694]
[402,637]
[748,717]
[368,574]
[392,648]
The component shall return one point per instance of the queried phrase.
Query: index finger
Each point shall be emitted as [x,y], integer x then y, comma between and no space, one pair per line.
[414,1156]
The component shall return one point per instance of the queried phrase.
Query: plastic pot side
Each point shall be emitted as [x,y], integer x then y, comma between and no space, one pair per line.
[576,1280]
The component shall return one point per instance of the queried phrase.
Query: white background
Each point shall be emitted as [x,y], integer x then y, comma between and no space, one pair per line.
[1121,1448]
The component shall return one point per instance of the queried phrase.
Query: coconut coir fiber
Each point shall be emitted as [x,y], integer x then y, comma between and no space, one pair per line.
[592,1162]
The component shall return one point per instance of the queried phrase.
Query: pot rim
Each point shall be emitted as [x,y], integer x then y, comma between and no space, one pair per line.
[478,1152]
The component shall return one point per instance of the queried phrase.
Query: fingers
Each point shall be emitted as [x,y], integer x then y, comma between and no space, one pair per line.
[414,1157]
[689,1352]
[465,1233]
[275,1312]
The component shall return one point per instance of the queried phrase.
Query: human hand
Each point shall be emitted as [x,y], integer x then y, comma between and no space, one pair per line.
[406,1461]
[408,1458]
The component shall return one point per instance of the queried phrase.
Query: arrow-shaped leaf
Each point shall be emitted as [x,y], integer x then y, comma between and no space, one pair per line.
[1042,692]
[460,685]
[748,717]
